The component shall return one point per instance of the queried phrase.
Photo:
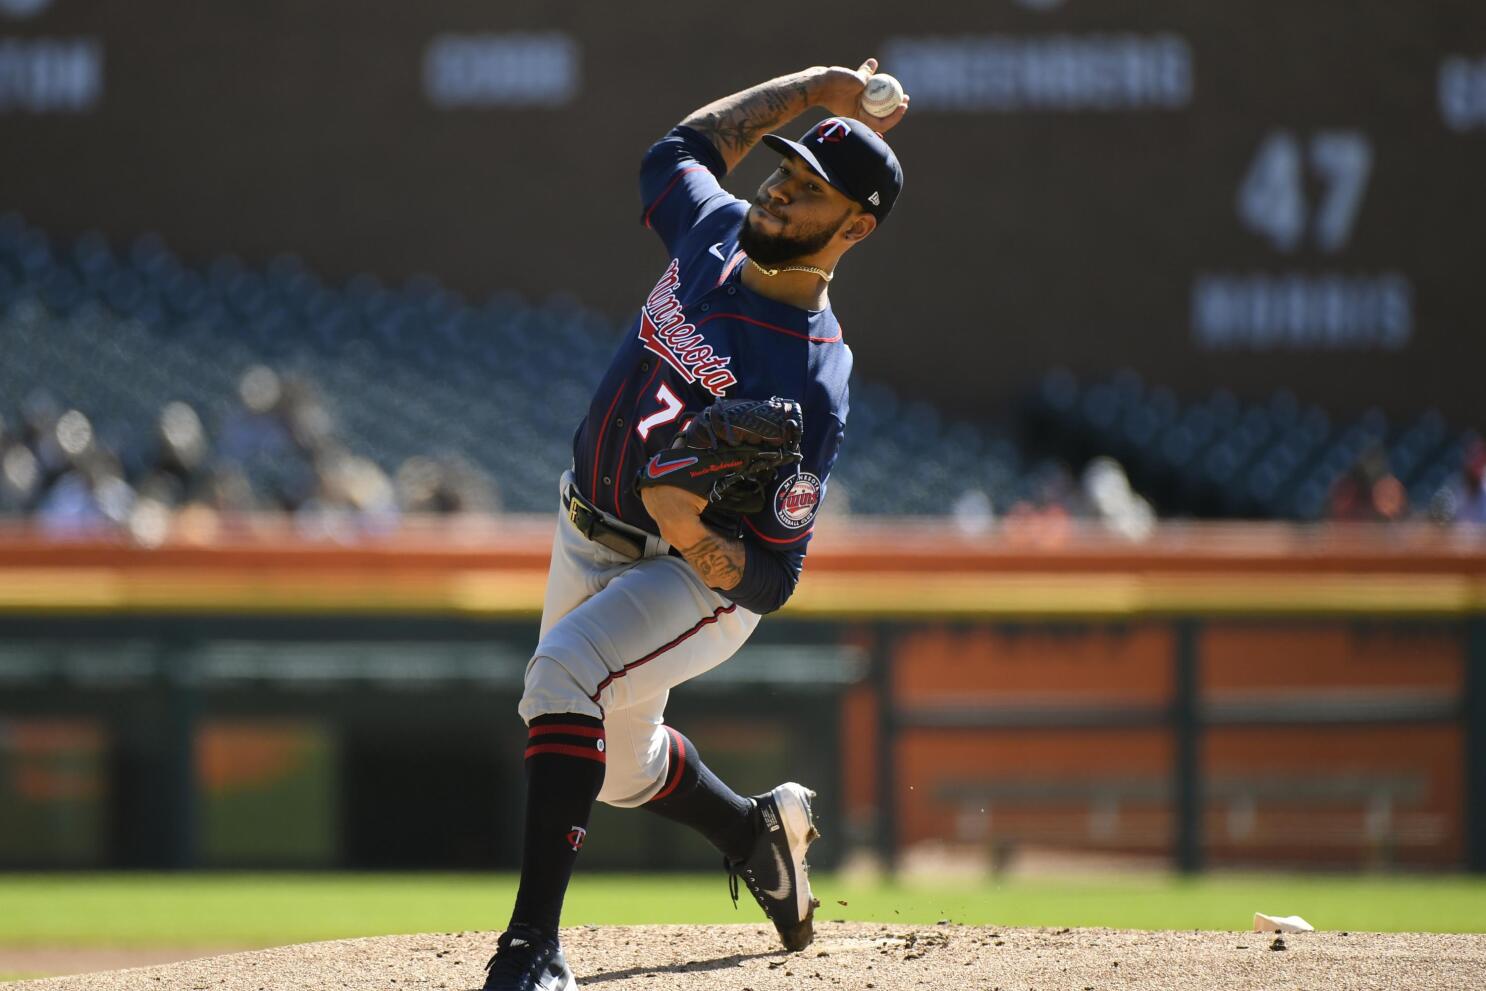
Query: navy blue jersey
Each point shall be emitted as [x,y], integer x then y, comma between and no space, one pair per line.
[701,335]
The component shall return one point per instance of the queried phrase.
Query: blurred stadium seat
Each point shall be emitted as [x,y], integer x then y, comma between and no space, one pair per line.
[1219,457]
[416,372]
[403,373]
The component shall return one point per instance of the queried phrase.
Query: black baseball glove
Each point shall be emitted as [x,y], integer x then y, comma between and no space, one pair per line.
[729,452]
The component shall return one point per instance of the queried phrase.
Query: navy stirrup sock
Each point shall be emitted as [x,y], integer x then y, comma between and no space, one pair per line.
[564,772]
[694,796]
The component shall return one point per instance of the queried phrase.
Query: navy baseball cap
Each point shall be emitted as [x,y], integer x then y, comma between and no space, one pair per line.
[850,156]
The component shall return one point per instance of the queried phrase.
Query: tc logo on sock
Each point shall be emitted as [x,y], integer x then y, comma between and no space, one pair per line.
[575,837]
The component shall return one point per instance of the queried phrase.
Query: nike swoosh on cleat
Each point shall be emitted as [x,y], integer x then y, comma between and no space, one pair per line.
[785,887]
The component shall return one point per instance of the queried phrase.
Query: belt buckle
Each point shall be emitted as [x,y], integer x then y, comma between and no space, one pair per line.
[579,514]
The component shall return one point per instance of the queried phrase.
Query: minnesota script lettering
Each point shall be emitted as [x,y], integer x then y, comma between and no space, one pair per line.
[666,333]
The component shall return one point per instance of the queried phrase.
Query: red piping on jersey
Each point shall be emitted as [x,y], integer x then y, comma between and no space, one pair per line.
[598,445]
[592,732]
[667,191]
[629,435]
[777,540]
[679,743]
[727,269]
[619,471]
[776,329]
[566,750]
[704,621]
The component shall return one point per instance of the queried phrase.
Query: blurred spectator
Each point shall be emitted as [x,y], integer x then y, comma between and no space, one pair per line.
[40,413]
[19,472]
[1369,491]
[973,512]
[183,445]
[1044,517]
[228,490]
[87,491]
[176,475]
[54,468]
[254,429]
[1464,499]
[1107,491]
[448,485]
[20,477]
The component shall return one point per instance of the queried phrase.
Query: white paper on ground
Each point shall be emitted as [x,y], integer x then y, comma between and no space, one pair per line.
[1283,923]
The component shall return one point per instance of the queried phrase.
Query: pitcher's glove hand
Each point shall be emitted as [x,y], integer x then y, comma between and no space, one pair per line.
[729,452]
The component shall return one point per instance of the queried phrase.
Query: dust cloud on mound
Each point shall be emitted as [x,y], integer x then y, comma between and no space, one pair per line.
[847,955]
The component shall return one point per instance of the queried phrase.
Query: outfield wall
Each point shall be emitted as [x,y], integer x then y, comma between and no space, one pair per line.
[1221,695]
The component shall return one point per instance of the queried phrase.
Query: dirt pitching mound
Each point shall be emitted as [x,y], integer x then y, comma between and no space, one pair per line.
[846,955]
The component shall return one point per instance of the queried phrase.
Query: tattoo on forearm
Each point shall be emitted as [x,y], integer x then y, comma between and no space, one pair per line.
[735,123]
[717,559]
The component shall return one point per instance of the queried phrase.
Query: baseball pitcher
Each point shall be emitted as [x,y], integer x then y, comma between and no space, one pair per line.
[696,477]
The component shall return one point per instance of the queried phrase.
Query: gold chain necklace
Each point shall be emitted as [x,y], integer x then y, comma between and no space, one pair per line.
[771,272]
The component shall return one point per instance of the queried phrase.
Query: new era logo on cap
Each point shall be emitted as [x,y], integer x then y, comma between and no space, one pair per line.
[849,155]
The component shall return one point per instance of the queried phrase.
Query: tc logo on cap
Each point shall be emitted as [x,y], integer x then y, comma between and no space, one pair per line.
[831,129]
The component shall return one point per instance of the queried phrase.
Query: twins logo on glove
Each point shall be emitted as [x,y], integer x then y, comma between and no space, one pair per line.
[730,451]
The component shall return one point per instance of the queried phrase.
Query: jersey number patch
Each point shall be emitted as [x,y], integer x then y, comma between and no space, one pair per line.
[670,408]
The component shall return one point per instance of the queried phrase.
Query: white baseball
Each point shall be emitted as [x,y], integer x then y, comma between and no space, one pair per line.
[883,95]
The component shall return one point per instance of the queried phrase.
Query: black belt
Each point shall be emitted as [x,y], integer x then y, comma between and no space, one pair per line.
[589,520]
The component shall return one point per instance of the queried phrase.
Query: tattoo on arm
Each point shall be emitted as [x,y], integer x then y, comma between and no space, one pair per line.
[735,123]
[717,559]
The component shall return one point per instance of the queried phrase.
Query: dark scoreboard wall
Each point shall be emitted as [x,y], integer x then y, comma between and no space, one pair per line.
[1253,194]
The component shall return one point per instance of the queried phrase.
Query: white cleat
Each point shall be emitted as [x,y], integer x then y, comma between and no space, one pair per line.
[525,960]
[775,872]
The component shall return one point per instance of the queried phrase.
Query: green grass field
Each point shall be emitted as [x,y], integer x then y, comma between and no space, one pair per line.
[271,909]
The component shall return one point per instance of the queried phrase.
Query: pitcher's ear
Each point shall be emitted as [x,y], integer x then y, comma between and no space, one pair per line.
[859,227]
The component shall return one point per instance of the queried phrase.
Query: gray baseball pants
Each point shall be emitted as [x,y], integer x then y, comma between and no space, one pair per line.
[617,635]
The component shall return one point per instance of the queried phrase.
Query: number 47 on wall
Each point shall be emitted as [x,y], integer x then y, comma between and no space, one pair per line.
[1272,198]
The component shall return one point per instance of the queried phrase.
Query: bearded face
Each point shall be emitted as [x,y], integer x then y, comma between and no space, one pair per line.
[791,243]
